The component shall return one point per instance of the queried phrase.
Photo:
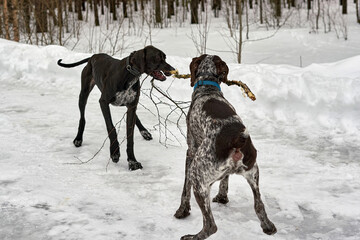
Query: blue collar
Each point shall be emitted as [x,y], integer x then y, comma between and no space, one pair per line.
[205,82]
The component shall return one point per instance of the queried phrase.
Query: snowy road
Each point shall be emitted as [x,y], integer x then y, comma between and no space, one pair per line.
[310,184]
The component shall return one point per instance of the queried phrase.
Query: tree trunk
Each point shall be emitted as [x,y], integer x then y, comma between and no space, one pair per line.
[157,11]
[216,7]
[40,17]
[278,9]
[102,7]
[78,9]
[124,8]
[66,15]
[26,13]
[135,6]
[240,31]
[60,19]
[357,11]
[194,11]
[1,31]
[171,8]
[96,14]
[318,15]
[6,19]
[261,12]
[83,5]
[15,14]
[70,5]
[344,6]
[51,6]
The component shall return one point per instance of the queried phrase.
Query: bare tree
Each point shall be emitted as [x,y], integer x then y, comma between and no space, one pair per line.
[157,11]
[194,11]
[278,11]
[240,42]
[41,16]
[96,14]
[124,8]
[6,19]
[15,17]
[344,6]
[1,25]
[59,19]
[78,6]
[357,11]
[261,11]
[200,39]
[216,6]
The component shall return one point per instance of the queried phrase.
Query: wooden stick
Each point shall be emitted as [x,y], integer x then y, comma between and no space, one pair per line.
[239,83]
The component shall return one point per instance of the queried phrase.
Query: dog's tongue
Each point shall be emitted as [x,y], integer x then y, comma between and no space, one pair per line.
[158,75]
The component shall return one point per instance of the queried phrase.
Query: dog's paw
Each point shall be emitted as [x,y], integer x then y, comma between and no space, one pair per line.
[221,199]
[134,165]
[188,237]
[269,228]
[77,142]
[146,135]
[115,157]
[182,212]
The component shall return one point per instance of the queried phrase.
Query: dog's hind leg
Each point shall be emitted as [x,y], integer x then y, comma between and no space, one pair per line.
[252,177]
[143,131]
[130,124]
[87,84]
[221,197]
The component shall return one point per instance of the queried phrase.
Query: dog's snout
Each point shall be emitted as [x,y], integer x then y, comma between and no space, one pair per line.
[170,68]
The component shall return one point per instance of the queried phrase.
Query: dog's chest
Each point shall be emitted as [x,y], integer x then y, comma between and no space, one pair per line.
[126,96]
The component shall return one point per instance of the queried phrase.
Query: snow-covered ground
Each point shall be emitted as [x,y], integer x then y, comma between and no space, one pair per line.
[304,123]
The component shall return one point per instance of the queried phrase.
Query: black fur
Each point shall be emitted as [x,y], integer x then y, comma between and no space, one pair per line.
[118,81]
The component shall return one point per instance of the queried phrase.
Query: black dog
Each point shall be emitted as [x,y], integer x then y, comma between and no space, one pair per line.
[218,145]
[118,81]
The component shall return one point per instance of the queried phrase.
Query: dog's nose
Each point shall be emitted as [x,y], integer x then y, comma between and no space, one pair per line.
[171,68]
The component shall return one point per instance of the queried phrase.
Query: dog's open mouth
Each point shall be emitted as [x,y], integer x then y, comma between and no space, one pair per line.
[160,75]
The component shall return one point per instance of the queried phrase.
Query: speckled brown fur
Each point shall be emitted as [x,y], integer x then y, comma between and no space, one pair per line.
[218,145]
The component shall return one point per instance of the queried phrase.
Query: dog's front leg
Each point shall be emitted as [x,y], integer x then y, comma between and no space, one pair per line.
[114,144]
[252,177]
[184,209]
[130,124]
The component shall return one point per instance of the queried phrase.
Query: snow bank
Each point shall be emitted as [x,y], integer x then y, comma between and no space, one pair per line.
[322,96]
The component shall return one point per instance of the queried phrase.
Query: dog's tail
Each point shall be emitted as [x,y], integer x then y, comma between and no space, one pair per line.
[70,65]
[235,142]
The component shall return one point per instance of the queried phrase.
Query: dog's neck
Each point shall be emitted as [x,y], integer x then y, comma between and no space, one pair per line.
[132,69]
[206,74]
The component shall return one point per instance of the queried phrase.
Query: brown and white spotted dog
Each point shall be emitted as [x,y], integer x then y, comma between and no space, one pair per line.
[218,145]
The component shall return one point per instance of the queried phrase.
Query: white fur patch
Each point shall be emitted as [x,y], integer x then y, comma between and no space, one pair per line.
[127,96]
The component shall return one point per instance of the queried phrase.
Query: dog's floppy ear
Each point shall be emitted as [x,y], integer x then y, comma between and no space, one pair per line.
[221,68]
[138,60]
[194,66]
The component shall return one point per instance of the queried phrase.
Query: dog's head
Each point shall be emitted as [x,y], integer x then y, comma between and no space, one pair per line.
[208,67]
[151,60]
